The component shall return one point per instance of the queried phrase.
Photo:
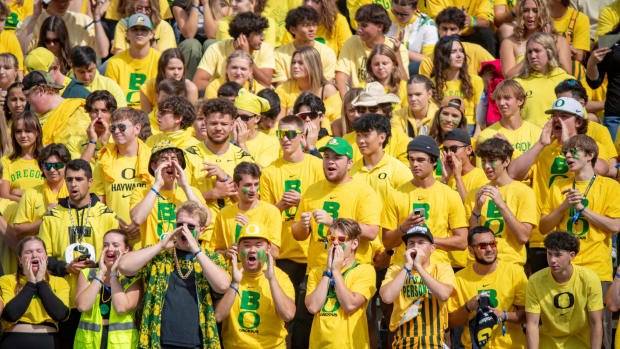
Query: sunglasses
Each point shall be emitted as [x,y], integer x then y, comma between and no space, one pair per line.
[362,110]
[120,127]
[52,41]
[573,151]
[53,165]
[340,239]
[485,245]
[190,226]
[399,14]
[452,149]
[290,134]
[246,118]
[308,114]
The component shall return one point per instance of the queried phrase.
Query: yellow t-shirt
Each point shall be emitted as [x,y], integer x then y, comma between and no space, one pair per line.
[476,8]
[354,199]
[18,13]
[580,35]
[76,25]
[33,204]
[162,218]
[475,53]
[289,91]
[521,139]
[20,173]
[214,59]
[432,319]
[130,73]
[101,82]
[540,94]
[403,118]
[65,124]
[453,88]
[353,56]
[284,54]
[113,13]
[282,176]
[264,149]
[608,18]
[564,308]
[214,86]
[273,33]
[387,175]
[519,198]
[163,35]
[10,44]
[332,327]
[443,211]
[396,146]
[253,321]
[506,289]
[595,244]
[36,313]
[335,39]
[600,133]
[118,192]
[226,229]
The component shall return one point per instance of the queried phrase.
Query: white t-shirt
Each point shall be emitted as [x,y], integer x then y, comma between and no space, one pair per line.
[422,32]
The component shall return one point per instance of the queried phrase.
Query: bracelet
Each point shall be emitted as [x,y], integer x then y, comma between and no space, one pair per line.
[408,272]
[225,180]
[195,254]
[330,276]
[505,316]
[91,23]
[618,275]
[512,13]
[401,229]
[92,142]
[473,21]
[115,274]
[107,288]
[157,193]
[235,289]
[467,308]
[476,215]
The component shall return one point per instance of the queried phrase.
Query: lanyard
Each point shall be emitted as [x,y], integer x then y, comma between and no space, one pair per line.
[80,234]
[331,280]
[585,194]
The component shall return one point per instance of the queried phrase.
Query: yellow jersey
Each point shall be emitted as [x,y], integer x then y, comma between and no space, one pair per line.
[20,173]
[18,13]
[475,53]
[214,59]
[335,39]
[595,244]
[388,174]
[354,199]
[289,91]
[101,82]
[521,139]
[283,176]
[163,35]
[505,287]
[578,34]
[130,73]
[396,145]
[264,149]
[284,54]
[564,308]
[332,327]
[403,118]
[33,204]
[454,88]
[519,199]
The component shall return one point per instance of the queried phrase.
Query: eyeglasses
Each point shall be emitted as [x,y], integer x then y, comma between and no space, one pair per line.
[120,127]
[573,151]
[452,149]
[190,226]
[485,245]
[362,110]
[308,114]
[53,165]
[141,9]
[400,14]
[332,238]
[246,118]
[290,134]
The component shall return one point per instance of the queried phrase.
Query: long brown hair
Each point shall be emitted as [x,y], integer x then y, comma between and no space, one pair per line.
[312,61]
[31,123]
[437,133]
[20,271]
[441,63]
[394,79]
[164,59]
[328,14]
[57,25]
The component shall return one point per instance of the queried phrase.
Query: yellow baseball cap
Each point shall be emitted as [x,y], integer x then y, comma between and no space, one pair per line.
[39,59]
[254,231]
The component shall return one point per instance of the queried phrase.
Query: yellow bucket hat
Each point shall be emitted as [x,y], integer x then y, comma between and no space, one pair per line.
[251,103]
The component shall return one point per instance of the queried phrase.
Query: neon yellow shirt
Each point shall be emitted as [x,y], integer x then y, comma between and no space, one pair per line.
[130,73]
[289,91]
[163,35]
[264,149]
[101,82]
[33,204]
[521,139]
[396,146]
[580,36]
[20,173]
[284,54]
[214,59]
[226,230]
[10,44]
[475,53]
[335,39]
[403,118]
[453,88]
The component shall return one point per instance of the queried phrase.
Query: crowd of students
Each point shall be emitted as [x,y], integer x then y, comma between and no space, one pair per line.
[309,174]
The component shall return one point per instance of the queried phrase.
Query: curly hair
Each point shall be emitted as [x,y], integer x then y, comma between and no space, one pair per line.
[375,14]
[562,241]
[495,148]
[394,78]
[544,22]
[374,122]
[217,105]
[300,15]
[180,107]
[441,63]
[247,23]
[311,100]
[100,95]
[452,15]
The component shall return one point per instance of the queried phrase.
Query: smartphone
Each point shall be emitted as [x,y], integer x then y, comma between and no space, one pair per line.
[83,257]
[608,40]
[419,211]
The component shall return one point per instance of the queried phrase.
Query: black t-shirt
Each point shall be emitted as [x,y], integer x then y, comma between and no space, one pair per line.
[610,67]
[180,318]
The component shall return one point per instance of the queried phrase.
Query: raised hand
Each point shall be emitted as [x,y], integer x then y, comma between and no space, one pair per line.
[27,269]
[237,273]
[269,272]
[102,267]
[42,269]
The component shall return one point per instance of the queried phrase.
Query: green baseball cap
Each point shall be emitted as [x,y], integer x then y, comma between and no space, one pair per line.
[340,146]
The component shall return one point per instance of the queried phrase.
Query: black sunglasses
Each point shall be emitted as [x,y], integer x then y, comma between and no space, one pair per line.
[120,127]
[53,165]
[246,118]
[363,110]
[190,226]
[453,148]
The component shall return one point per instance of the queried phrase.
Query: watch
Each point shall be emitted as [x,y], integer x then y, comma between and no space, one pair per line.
[114,274]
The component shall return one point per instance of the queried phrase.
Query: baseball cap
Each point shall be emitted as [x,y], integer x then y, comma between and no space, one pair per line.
[140,20]
[165,145]
[418,230]
[455,102]
[39,77]
[340,146]
[39,59]
[254,230]
[424,144]
[459,135]
[568,105]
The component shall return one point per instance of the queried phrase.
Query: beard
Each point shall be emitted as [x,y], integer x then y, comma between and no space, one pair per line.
[216,141]
[484,262]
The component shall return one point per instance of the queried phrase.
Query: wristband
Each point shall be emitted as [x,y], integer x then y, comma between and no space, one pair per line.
[91,23]
[92,142]
[235,289]
[505,316]
[157,193]
[512,13]
[225,180]
[115,274]
[467,308]
[195,254]
[618,275]
[104,285]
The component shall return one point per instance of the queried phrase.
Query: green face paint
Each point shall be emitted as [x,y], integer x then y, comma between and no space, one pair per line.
[244,255]
[244,190]
[344,246]
[455,122]
[195,234]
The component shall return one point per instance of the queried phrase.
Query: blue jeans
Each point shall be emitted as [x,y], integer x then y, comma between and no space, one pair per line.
[612,122]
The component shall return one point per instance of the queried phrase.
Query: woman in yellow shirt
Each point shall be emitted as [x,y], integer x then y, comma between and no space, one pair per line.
[452,78]
[383,65]
[417,117]
[15,101]
[307,75]
[333,29]
[54,36]
[20,170]
[451,115]
[238,69]
[32,301]
[170,65]
[532,17]
[344,124]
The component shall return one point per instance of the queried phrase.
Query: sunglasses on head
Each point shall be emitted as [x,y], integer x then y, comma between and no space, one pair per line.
[573,151]
[362,109]
[290,134]
[53,165]
[190,226]
[452,149]
[340,239]
[308,114]
[245,118]
[120,127]
[485,245]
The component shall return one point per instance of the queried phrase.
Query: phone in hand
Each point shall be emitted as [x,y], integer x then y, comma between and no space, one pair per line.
[419,211]
[83,257]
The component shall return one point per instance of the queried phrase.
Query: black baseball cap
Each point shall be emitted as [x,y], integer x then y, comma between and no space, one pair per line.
[459,135]
[39,77]
[424,144]
[418,230]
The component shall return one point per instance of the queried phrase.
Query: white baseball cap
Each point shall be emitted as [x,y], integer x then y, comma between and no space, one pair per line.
[568,105]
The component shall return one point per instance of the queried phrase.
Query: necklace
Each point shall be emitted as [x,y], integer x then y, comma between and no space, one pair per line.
[79,234]
[178,266]
[103,306]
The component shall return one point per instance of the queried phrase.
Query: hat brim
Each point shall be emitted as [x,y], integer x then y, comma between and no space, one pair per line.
[180,156]
[325,147]
[550,111]
[54,86]
[371,101]
[405,237]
